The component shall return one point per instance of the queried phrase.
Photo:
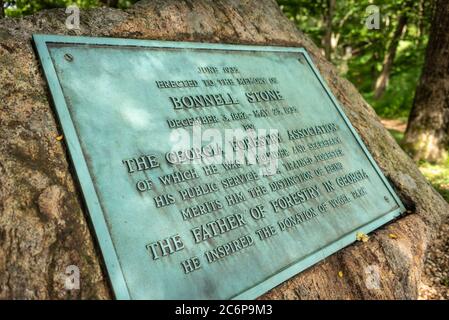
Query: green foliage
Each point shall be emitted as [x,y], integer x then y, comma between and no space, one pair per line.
[397,135]
[359,52]
[438,175]
[398,98]
[445,282]
[367,52]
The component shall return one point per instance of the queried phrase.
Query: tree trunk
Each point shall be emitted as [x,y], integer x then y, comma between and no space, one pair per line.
[420,20]
[428,126]
[328,34]
[382,79]
[110,3]
[2,9]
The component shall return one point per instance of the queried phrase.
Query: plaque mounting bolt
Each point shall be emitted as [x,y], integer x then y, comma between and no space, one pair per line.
[68,57]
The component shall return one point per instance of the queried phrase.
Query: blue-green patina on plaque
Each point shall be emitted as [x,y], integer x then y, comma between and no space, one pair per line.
[226,233]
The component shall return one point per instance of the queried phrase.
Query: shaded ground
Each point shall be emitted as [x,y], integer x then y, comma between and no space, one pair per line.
[435,282]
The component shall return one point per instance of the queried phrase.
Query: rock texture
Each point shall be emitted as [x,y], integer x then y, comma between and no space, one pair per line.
[44,227]
[435,284]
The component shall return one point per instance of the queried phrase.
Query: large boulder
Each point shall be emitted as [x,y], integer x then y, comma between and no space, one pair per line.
[44,226]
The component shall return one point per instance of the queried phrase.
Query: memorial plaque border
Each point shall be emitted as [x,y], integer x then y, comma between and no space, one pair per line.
[85,180]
